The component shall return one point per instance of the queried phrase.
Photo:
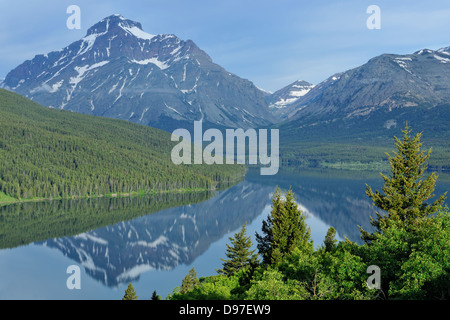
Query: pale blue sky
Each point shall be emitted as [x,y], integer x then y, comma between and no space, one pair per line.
[271,43]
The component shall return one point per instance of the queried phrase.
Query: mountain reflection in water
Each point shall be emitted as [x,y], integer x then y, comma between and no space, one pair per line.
[121,252]
[153,240]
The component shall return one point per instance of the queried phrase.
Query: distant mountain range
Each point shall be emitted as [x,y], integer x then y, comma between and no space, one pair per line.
[352,116]
[384,84]
[119,71]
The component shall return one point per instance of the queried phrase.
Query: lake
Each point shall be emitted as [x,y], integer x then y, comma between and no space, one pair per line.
[153,241]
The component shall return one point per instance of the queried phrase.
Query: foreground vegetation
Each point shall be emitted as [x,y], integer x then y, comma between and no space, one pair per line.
[405,256]
[56,154]
[410,246]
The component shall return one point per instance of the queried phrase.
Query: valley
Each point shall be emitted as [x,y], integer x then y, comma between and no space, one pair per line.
[120,71]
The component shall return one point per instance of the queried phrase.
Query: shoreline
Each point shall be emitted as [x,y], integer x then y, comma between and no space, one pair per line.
[125,194]
[109,195]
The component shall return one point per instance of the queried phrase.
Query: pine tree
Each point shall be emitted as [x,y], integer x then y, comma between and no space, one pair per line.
[155,296]
[130,294]
[265,241]
[239,254]
[405,190]
[330,241]
[284,229]
[189,282]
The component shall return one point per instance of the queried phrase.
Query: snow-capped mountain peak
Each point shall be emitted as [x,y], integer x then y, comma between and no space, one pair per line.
[281,100]
[117,23]
[120,71]
[289,94]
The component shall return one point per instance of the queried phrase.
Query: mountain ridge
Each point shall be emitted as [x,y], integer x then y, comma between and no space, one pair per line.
[119,71]
[349,119]
[387,80]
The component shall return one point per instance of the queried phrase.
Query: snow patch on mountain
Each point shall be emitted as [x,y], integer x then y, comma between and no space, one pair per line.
[82,70]
[172,109]
[445,51]
[56,86]
[138,33]
[441,59]
[89,41]
[403,63]
[160,64]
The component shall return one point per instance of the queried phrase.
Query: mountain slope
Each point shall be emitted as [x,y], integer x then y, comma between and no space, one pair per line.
[47,153]
[119,71]
[384,83]
[353,115]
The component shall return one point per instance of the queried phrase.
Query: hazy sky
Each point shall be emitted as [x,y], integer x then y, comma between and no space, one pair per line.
[271,43]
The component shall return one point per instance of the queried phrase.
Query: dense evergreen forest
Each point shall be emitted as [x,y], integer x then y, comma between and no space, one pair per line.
[51,154]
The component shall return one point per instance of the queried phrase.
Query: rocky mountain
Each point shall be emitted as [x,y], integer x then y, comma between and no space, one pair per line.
[388,90]
[281,100]
[349,121]
[119,71]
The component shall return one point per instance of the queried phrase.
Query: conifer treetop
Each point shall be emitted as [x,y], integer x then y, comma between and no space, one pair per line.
[405,190]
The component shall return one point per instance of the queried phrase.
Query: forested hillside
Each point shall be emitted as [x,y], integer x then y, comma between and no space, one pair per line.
[48,153]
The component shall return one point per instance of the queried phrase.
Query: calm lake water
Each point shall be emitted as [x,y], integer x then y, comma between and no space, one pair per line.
[153,242]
